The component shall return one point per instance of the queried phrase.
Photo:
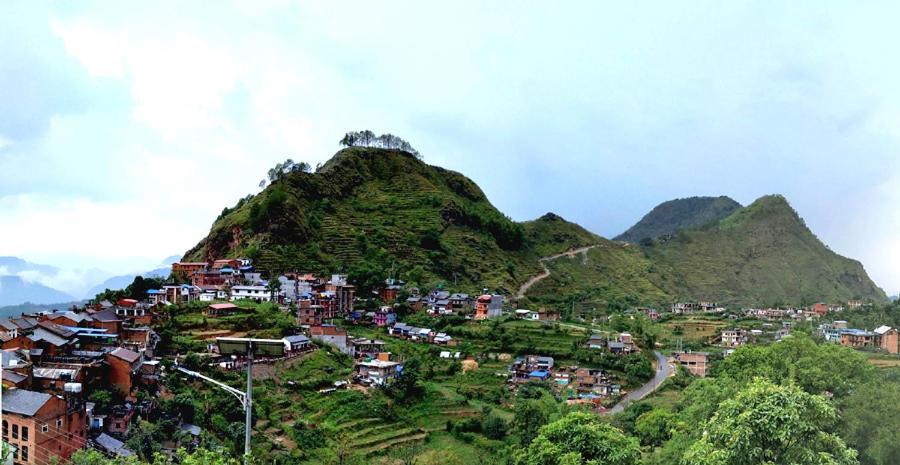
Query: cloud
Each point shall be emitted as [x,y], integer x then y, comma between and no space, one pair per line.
[145,132]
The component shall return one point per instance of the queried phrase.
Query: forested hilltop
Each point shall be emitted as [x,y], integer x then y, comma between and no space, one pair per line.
[674,215]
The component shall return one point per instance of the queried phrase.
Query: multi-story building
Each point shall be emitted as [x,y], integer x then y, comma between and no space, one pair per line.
[124,366]
[187,269]
[889,339]
[42,428]
[734,337]
[257,293]
[488,306]
[380,371]
[859,338]
[309,314]
[343,292]
[695,362]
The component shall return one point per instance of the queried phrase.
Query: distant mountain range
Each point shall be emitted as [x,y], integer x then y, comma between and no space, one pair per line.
[374,213]
[15,290]
[122,281]
[24,282]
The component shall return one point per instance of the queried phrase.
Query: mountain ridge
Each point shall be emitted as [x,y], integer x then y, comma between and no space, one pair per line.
[377,213]
[673,215]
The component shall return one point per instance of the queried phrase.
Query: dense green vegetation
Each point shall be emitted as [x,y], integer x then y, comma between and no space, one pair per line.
[672,216]
[797,401]
[763,254]
[375,212]
[759,255]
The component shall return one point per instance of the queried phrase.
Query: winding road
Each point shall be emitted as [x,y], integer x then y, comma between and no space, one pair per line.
[546,273]
[663,370]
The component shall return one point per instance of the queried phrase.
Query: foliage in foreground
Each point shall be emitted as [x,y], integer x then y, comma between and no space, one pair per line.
[198,457]
[771,424]
[580,438]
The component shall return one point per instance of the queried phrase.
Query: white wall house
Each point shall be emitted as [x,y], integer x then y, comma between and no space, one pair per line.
[257,293]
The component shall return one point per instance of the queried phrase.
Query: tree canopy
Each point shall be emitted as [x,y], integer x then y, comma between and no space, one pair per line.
[580,438]
[769,424]
[367,138]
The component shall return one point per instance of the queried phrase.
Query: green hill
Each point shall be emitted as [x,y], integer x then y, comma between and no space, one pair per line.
[669,217]
[762,254]
[376,212]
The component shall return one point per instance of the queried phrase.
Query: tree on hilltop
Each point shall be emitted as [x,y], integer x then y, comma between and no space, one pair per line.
[367,138]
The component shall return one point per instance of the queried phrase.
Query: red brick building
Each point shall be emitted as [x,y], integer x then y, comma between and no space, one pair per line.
[42,428]
[124,365]
[820,309]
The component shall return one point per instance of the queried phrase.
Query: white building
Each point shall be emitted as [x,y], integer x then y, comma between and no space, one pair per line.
[257,293]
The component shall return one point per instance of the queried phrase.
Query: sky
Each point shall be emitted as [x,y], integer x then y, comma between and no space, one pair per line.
[126,127]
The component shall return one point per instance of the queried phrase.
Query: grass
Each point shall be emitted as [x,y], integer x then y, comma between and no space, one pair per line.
[883,362]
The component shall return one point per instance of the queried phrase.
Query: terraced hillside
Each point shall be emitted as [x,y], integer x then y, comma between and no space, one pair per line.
[374,213]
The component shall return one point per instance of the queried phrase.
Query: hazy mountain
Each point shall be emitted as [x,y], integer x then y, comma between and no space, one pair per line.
[162,270]
[15,290]
[674,215]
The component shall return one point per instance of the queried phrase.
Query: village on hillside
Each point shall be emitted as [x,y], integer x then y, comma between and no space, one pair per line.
[88,377]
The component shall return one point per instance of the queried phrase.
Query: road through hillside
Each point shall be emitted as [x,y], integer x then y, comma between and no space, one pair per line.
[537,278]
[663,370]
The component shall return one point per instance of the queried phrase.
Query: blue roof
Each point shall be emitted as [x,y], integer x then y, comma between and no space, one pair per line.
[539,374]
[154,291]
[857,332]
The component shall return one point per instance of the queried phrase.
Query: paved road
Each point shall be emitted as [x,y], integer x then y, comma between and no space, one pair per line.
[663,370]
[535,279]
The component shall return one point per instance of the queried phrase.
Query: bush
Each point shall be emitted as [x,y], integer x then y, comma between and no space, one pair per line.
[494,427]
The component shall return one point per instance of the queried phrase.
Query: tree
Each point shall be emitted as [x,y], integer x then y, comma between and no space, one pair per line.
[816,368]
[367,137]
[143,440]
[406,386]
[274,288]
[655,426]
[102,399]
[870,422]
[580,438]
[182,457]
[770,424]
[529,417]
[494,427]
[349,139]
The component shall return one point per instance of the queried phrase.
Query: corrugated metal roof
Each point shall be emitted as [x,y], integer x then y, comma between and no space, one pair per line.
[129,356]
[23,402]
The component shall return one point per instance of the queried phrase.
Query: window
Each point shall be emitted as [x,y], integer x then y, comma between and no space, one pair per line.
[59,422]
[24,453]
[15,431]
[44,428]
[5,428]
[24,434]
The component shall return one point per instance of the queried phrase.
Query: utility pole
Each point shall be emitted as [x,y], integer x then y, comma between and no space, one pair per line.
[242,347]
[249,408]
